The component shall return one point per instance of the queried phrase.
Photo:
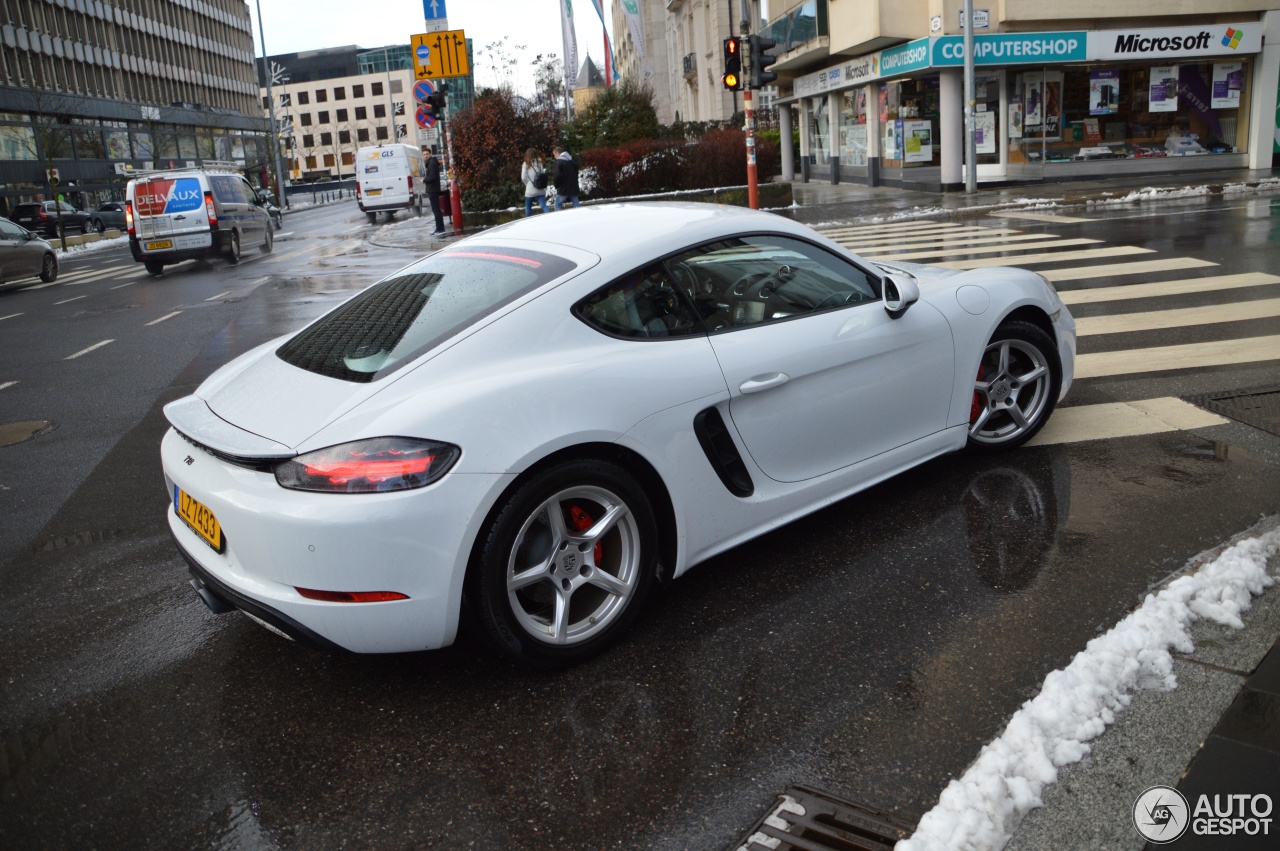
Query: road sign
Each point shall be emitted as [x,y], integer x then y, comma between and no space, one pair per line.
[423,90]
[441,54]
[432,9]
[424,118]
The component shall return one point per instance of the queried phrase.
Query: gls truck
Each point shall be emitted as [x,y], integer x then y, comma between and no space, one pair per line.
[390,178]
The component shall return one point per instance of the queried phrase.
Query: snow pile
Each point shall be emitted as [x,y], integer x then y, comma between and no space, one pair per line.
[1075,704]
[86,247]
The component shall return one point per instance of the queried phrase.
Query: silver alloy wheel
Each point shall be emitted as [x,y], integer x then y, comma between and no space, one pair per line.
[569,578]
[1011,393]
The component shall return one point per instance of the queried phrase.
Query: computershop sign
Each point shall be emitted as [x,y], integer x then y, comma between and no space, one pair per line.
[1012,48]
[1176,42]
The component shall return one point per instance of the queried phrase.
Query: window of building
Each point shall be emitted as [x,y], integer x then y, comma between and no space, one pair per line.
[329,161]
[304,98]
[322,117]
[305,119]
[362,135]
[322,95]
[339,93]
[348,158]
[344,136]
[286,99]
[379,110]
[311,162]
[326,139]
[357,91]
[266,102]
[376,89]
[308,141]
[342,115]
[381,133]
[361,113]
[396,87]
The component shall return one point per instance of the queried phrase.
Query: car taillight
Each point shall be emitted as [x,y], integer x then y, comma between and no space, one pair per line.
[43,215]
[357,190]
[128,217]
[351,596]
[210,211]
[376,465]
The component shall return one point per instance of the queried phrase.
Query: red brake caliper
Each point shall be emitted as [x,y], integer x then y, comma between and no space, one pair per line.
[976,408]
[581,522]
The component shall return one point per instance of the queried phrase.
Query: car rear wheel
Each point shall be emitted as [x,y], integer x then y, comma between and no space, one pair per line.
[373,218]
[269,242]
[99,226]
[565,565]
[153,267]
[49,269]
[233,256]
[1017,387]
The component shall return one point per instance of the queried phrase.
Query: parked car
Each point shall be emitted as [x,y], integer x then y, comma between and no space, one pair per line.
[109,215]
[530,428]
[24,255]
[186,214]
[269,204]
[42,217]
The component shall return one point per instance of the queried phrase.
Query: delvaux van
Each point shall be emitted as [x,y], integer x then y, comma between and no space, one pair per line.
[190,213]
[390,178]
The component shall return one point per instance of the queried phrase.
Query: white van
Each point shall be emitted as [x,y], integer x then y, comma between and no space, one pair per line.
[390,178]
[189,213]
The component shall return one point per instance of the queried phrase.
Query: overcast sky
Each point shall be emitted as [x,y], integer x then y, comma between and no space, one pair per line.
[296,25]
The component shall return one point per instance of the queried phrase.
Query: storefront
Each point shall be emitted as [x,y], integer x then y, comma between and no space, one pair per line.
[1048,105]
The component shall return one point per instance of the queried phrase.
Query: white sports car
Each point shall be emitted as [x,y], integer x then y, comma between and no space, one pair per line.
[527,429]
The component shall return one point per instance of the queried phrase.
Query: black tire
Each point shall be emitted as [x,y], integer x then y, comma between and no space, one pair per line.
[49,269]
[153,267]
[99,226]
[269,242]
[233,255]
[276,220]
[601,588]
[373,218]
[1019,378]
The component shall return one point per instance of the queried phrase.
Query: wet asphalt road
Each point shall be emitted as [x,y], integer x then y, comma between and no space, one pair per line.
[870,649]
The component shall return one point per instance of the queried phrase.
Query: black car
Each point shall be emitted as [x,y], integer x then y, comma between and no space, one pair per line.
[109,215]
[42,217]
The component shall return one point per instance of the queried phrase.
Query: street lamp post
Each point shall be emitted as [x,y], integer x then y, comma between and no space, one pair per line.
[271,101]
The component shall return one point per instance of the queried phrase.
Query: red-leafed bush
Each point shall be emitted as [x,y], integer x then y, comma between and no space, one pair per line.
[718,158]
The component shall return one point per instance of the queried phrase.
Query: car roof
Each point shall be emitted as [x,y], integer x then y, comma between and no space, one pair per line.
[647,227]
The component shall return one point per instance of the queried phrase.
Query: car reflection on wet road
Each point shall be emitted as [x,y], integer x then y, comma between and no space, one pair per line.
[870,648]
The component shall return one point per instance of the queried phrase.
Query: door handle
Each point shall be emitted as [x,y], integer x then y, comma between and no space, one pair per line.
[179,218]
[764,382]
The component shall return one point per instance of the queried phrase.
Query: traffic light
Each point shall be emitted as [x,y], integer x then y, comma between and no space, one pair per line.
[435,104]
[732,78]
[761,60]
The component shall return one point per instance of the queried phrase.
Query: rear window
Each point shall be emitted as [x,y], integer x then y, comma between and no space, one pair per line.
[392,322]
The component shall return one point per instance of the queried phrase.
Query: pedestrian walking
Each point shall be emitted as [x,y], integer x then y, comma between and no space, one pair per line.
[534,177]
[564,175]
[433,191]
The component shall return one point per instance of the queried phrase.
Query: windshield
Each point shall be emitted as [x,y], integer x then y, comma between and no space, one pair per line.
[395,320]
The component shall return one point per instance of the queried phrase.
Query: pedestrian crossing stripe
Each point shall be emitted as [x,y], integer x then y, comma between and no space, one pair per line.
[982,249]
[1110,420]
[1182,286]
[1185,356]
[1180,318]
[1039,217]
[1115,270]
[915,227]
[983,237]
[1053,257]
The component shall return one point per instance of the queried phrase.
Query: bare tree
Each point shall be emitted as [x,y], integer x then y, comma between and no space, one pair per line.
[50,138]
[548,81]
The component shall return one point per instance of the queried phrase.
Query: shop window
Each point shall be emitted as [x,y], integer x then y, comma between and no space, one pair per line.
[853,127]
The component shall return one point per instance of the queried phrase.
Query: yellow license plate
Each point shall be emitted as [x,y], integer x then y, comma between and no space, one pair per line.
[374,192]
[159,244]
[197,515]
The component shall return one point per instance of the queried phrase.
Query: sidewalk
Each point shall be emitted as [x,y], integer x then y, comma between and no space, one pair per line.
[822,203]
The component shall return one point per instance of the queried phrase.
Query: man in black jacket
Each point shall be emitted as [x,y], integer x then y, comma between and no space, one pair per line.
[432,178]
[564,176]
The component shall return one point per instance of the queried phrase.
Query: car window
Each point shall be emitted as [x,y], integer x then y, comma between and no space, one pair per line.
[743,281]
[226,188]
[642,304]
[392,322]
[10,231]
[66,208]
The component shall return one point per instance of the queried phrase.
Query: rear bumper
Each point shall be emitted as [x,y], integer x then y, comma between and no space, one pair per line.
[217,246]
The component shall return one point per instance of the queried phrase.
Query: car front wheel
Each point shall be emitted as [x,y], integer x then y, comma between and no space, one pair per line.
[1017,387]
[49,269]
[269,242]
[565,565]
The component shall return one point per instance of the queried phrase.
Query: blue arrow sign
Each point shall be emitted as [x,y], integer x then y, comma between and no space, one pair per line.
[432,9]
[424,55]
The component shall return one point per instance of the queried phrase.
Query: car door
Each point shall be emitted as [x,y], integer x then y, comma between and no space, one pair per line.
[20,256]
[820,376]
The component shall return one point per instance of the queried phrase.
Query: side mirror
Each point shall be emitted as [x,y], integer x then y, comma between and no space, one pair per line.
[900,292]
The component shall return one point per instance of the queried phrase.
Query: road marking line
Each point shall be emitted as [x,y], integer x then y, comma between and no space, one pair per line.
[1186,356]
[122,286]
[107,273]
[7,384]
[1077,273]
[65,300]
[912,227]
[163,318]
[1052,257]
[981,238]
[1123,419]
[1039,217]
[219,295]
[275,258]
[86,351]
[1178,318]
[986,249]
[39,287]
[1181,286]
[283,235]
[10,316]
